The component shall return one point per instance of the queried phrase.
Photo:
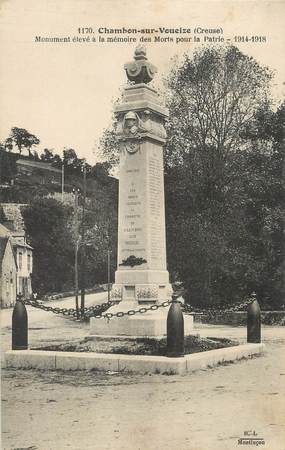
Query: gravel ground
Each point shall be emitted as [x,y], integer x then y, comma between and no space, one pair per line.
[206,410]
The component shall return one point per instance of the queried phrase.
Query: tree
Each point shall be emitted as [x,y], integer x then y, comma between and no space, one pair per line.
[70,157]
[57,161]
[214,173]
[101,225]
[100,171]
[109,147]
[46,223]
[9,144]
[50,227]
[23,139]
[47,155]
[266,219]
[8,169]
[100,229]
[73,164]
[217,94]
[36,156]
[30,142]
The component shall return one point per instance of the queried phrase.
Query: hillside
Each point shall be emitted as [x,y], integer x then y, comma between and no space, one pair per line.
[51,224]
[19,187]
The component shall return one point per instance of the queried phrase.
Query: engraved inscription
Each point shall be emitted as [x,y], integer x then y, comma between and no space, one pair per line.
[132,207]
[156,210]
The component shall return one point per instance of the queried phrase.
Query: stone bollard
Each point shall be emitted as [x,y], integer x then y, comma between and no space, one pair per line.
[19,326]
[253,322]
[175,331]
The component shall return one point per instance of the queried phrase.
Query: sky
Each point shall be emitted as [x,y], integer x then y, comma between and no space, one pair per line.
[64,92]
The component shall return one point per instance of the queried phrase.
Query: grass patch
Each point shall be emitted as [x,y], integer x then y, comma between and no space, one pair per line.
[139,346]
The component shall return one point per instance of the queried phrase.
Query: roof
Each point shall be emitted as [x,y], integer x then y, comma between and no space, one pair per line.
[37,165]
[9,225]
[19,244]
[4,240]
[5,232]
[3,244]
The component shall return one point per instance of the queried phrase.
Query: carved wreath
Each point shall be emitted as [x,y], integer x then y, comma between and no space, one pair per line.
[132,261]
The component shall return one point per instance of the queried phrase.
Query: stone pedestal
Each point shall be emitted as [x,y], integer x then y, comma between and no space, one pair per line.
[151,324]
[141,277]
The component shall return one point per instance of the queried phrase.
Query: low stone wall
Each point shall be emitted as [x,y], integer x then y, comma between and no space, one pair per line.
[236,318]
[13,213]
[49,360]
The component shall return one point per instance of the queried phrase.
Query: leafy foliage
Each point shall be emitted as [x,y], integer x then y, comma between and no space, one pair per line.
[46,226]
[22,139]
[100,231]
[7,166]
[98,227]
[218,92]
[109,146]
[223,189]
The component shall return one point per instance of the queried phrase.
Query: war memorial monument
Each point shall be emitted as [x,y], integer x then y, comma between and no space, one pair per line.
[141,277]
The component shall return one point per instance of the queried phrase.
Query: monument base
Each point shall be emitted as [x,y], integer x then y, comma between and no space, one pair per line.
[149,286]
[151,324]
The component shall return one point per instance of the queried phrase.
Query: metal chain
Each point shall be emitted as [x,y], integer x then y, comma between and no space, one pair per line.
[132,312]
[95,311]
[188,309]
[83,313]
[98,310]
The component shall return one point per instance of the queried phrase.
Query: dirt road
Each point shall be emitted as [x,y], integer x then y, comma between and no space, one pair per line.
[48,327]
[36,314]
[206,410]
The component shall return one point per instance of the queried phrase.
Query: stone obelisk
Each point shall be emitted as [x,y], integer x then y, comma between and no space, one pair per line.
[141,277]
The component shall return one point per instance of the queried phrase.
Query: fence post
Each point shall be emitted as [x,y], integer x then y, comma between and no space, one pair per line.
[19,326]
[175,330]
[253,322]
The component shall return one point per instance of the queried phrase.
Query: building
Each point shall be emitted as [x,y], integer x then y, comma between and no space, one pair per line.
[45,172]
[8,272]
[23,255]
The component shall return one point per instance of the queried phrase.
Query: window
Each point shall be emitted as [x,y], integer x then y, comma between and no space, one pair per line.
[29,263]
[20,287]
[20,260]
